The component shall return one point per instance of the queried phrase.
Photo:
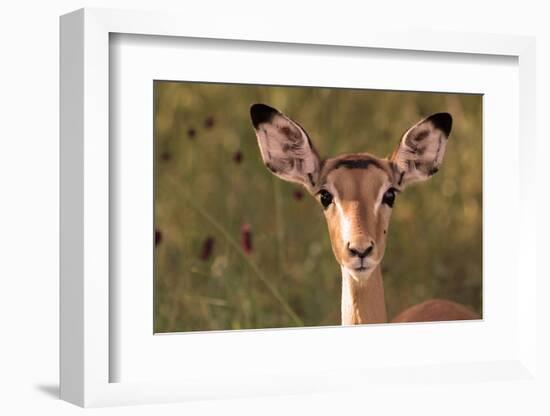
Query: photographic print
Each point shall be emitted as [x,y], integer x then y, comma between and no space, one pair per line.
[294,206]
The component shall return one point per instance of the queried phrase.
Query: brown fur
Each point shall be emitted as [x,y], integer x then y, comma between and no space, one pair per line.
[357,191]
[436,310]
[363,301]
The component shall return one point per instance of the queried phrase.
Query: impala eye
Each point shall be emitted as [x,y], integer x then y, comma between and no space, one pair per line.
[389,197]
[326,198]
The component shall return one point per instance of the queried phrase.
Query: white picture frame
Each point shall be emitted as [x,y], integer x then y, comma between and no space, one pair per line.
[86,302]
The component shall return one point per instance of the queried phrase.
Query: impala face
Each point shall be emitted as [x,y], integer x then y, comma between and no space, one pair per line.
[356,191]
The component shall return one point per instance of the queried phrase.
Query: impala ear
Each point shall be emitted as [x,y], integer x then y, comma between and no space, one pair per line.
[285,147]
[421,149]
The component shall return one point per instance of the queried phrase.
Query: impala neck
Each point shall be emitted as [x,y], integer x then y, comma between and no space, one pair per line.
[363,301]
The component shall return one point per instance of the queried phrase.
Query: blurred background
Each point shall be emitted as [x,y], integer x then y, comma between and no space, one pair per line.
[238,248]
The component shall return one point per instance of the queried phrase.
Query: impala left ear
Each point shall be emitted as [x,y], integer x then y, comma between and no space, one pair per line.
[285,146]
[421,149]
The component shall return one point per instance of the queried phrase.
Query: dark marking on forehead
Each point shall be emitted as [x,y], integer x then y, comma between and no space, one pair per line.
[360,161]
[358,164]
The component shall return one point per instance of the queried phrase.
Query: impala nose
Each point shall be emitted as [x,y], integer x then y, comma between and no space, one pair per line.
[358,251]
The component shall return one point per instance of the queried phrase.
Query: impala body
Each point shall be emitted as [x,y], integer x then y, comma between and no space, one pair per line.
[357,192]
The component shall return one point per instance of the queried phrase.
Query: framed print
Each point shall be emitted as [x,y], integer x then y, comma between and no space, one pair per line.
[226,204]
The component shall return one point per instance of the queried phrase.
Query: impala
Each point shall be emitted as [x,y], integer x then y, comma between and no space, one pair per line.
[357,192]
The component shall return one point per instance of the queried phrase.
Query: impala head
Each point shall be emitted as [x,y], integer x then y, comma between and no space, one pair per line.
[356,191]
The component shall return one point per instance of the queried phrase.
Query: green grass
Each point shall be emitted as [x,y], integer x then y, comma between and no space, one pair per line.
[290,278]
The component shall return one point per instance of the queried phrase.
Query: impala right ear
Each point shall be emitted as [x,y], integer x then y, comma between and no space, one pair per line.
[285,147]
[421,149]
